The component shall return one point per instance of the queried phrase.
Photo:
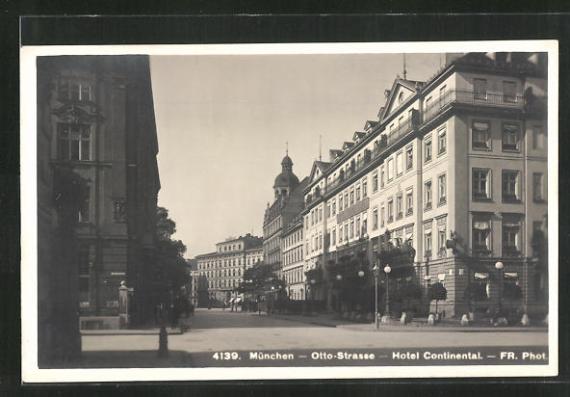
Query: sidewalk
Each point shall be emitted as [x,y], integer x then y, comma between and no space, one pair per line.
[420,324]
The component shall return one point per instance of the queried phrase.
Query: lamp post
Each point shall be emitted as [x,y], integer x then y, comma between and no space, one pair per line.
[313,282]
[387,270]
[499,266]
[376,270]
[339,279]
[360,275]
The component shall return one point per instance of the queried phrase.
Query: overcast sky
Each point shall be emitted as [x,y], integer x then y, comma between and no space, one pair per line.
[223,122]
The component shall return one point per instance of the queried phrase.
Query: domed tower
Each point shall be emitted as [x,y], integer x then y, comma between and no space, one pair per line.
[286,181]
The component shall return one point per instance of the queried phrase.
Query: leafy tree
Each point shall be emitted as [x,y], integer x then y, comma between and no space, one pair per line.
[172,268]
[407,292]
[437,292]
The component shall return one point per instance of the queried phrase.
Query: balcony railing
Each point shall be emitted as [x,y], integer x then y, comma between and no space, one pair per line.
[432,110]
[471,98]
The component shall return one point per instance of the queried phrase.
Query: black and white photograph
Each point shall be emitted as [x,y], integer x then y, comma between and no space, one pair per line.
[289,211]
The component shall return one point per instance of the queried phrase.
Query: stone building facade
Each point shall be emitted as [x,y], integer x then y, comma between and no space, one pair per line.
[98,180]
[222,271]
[287,205]
[448,181]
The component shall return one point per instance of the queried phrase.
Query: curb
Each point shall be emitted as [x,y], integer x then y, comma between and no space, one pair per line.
[107,332]
[397,328]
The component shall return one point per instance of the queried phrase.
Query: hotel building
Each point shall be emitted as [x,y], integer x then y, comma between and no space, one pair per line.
[448,181]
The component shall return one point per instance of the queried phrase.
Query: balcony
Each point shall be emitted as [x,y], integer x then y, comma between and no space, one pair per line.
[468,97]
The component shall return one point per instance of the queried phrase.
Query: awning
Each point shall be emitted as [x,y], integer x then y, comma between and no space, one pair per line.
[481,276]
[511,276]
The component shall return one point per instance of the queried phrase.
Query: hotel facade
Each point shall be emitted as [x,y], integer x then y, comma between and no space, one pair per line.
[448,181]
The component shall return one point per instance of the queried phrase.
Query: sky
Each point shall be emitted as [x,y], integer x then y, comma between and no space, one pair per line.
[223,122]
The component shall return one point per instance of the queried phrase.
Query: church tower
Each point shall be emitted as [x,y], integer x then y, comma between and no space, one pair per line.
[286,181]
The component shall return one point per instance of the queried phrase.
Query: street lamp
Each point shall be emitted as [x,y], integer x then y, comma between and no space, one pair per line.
[339,306]
[387,270]
[361,273]
[376,270]
[312,304]
[499,266]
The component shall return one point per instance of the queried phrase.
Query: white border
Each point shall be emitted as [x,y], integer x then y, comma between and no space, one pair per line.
[28,191]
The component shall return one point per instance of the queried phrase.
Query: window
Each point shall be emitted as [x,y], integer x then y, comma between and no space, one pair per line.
[390,169]
[442,96]
[382,220]
[357,192]
[399,206]
[538,186]
[399,163]
[427,193]
[509,92]
[351,196]
[340,203]
[364,188]
[441,237]
[427,239]
[511,137]
[333,237]
[375,181]
[481,184]
[481,135]
[346,204]
[409,157]
[409,202]
[427,151]
[83,215]
[480,89]
[511,237]
[428,104]
[74,142]
[511,186]
[119,210]
[375,219]
[334,207]
[75,91]
[441,141]
[382,176]
[390,210]
[481,235]
[357,228]
[365,224]
[351,230]
[441,189]
[538,138]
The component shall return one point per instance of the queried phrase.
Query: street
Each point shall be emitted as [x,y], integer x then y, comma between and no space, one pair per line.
[217,330]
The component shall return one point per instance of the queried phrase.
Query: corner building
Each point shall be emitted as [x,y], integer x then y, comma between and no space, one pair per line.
[448,181]
[221,272]
[288,204]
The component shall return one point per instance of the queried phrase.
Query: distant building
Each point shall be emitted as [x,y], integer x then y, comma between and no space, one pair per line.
[292,242]
[287,205]
[97,191]
[450,180]
[223,270]
[194,276]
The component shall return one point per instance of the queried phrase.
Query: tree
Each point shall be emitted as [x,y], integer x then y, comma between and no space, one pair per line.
[408,292]
[172,268]
[438,293]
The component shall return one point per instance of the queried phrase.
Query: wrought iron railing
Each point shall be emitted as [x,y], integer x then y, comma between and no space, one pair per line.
[470,97]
